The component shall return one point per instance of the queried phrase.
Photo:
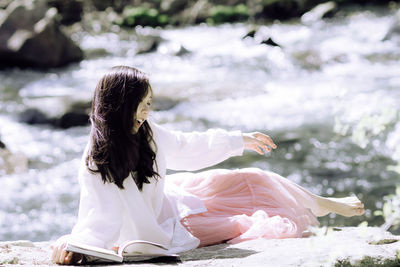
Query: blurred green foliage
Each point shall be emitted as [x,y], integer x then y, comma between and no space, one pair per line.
[391,210]
[378,127]
[221,14]
[133,16]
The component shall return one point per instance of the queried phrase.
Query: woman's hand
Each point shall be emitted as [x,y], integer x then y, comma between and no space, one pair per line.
[258,141]
[61,256]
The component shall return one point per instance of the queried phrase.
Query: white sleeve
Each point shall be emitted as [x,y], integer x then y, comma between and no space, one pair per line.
[100,210]
[195,150]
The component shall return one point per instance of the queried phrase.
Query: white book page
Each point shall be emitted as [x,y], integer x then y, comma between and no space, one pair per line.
[93,251]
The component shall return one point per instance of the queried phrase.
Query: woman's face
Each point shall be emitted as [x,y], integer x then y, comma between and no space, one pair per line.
[142,111]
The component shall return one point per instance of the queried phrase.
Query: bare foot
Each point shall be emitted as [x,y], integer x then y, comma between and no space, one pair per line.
[346,206]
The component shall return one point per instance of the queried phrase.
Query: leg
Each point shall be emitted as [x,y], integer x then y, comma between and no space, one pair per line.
[321,206]
[346,206]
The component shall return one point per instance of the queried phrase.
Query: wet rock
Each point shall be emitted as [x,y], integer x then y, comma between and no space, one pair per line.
[181,51]
[117,5]
[172,7]
[394,29]
[19,243]
[309,59]
[70,10]
[250,34]
[5,3]
[319,12]
[196,12]
[33,116]
[163,103]
[96,53]
[2,145]
[12,162]
[68,119]
[270,41]
[30,36]
[281,9]
[173,48]
[72,119]
[148,43]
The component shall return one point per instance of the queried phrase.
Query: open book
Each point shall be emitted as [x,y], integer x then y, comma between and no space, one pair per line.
[132,250]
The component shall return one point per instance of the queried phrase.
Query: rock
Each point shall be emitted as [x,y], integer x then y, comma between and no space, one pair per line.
[60,112]
[174,48]
[39,254]
[196,12]
[96,53]
[19,243]
[102,4]
[69,119]
[172,7]
[70,10]
[148,43]
[287,9]
[348,246]
[30,37]
[270,42]
[2,145]
[72,119]
[319,12]
[33,116]
[4,3]
[181,51]
[394,29]
[16,162]
[250,34]
[163,103]
[309,59]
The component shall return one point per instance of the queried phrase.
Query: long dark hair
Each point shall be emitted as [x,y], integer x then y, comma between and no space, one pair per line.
[116,152]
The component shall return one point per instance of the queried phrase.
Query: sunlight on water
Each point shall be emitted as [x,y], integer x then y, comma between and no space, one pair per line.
[309,94]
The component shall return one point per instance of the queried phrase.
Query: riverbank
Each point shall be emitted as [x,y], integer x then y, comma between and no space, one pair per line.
[348,246]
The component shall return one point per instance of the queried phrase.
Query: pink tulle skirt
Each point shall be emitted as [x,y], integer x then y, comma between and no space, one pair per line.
[247,204]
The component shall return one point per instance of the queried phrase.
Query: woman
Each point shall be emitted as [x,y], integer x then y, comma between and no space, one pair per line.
[126,194]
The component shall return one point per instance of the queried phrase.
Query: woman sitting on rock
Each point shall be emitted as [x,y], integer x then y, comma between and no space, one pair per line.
[126,194]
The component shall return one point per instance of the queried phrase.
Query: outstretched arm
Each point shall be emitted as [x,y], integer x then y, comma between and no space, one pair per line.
[258,142]
[197,150]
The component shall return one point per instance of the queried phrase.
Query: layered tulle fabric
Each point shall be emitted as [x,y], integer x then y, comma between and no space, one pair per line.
[246,204]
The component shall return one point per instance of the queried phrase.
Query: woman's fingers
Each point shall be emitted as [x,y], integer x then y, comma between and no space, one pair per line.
[258,142]
[68,257]
[265,139]
[259,150]
[63,255]
[60,255]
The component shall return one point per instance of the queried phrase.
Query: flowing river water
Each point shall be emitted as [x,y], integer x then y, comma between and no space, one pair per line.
[327,81]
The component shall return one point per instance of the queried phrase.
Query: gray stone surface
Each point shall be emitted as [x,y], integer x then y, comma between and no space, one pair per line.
[349,246]
[30,36]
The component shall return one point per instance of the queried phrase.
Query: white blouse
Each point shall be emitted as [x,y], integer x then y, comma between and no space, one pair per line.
[109,216]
